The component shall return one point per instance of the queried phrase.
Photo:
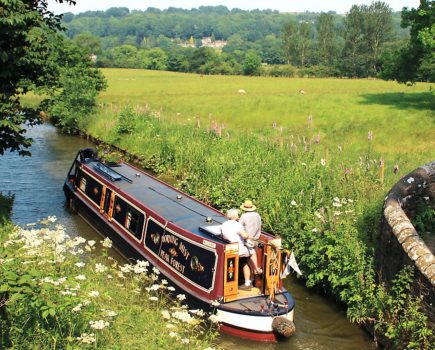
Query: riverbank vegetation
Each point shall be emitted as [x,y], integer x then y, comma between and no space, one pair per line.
[318,178]
[61,292]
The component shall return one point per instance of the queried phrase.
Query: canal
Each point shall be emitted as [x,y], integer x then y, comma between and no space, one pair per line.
[37,181]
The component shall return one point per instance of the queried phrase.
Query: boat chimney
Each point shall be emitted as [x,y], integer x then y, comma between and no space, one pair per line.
[179,197]
[208,219]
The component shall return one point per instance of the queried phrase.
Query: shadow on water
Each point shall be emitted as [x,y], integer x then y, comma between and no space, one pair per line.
[401,100]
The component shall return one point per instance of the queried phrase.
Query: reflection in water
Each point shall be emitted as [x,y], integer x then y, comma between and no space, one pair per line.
[37,184]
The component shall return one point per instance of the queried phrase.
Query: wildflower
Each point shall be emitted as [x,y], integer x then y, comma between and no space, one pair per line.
[77,308]
[170,325]
[94,293]
[156,271]
[274,125]
[109,313]
[183,316]
[314,230]
[171,289]
[86,338]
[323,162]
[185,341]
[310,119]
[80,264]
[293,203]
[153,298]
[154,287]
[318,138]
[107,243]
[100,324]
[370,136]
[139,269]
[209,348]
[337,204]
[126,268]
[214,318]
[91,243]
[215,303]
[164,282]
[181,297]
[166,315]
[172,334]
[99,268]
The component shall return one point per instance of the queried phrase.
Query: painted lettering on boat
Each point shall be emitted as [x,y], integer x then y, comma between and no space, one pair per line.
[192,260]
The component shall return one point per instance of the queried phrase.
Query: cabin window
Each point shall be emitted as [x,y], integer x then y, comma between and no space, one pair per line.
[83,183]
[93,190]
[128,217]
[134,222]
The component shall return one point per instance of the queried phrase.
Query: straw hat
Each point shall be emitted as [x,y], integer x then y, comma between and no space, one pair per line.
[248,206]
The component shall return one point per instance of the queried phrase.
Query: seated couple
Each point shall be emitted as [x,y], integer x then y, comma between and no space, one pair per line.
[233,231]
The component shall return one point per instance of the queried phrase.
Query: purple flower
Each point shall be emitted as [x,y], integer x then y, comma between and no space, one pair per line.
[318,138]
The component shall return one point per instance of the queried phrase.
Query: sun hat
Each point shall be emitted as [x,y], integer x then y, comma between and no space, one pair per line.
[248,206]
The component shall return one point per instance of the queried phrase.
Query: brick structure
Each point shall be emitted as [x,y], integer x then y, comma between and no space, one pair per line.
[400,244]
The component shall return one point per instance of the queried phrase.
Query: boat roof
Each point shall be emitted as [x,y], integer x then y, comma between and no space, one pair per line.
[168,202]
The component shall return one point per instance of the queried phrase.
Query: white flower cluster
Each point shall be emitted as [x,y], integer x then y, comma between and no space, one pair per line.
[86,338]
[100,324]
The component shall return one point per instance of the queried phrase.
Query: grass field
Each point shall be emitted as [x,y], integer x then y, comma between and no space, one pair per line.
[401,118]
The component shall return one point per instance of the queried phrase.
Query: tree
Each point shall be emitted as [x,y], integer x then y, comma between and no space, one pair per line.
[90,43]
[74,96]
[252,64]
[354,55]
[296,42]
[326,41]
[26,28]
[416,61]
[378,30]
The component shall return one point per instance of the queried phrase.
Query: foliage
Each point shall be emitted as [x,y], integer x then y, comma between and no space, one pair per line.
[252,64]
[126,121]
[74,96]
[54,293]
[415,61]
[424,218]
[349,45]
[27,28]
[6,204]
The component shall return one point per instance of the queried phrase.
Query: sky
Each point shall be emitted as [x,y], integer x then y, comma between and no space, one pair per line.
[339,6]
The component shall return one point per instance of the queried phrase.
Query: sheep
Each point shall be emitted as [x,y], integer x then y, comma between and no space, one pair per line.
[302,91]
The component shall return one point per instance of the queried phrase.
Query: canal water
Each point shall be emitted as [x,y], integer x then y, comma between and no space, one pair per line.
[37,182]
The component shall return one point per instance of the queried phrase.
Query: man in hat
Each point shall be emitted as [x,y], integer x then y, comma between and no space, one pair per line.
[251,222]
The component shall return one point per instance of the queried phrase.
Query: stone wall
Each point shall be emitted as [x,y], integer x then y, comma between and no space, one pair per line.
[400,244]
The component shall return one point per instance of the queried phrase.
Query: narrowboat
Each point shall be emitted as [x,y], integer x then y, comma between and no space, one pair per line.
[180,235]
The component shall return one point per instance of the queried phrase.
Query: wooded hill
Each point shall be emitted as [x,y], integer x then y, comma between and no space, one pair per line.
[357,44]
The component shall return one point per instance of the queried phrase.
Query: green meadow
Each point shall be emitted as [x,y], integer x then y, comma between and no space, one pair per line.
[401,118]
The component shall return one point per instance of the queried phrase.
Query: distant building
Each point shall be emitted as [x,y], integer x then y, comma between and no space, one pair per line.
[206,42]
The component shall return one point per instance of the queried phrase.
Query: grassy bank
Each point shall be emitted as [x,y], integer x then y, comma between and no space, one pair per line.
[57,293]
[318,166]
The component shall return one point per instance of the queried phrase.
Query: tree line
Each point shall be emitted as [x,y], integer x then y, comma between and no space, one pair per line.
[365,42]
